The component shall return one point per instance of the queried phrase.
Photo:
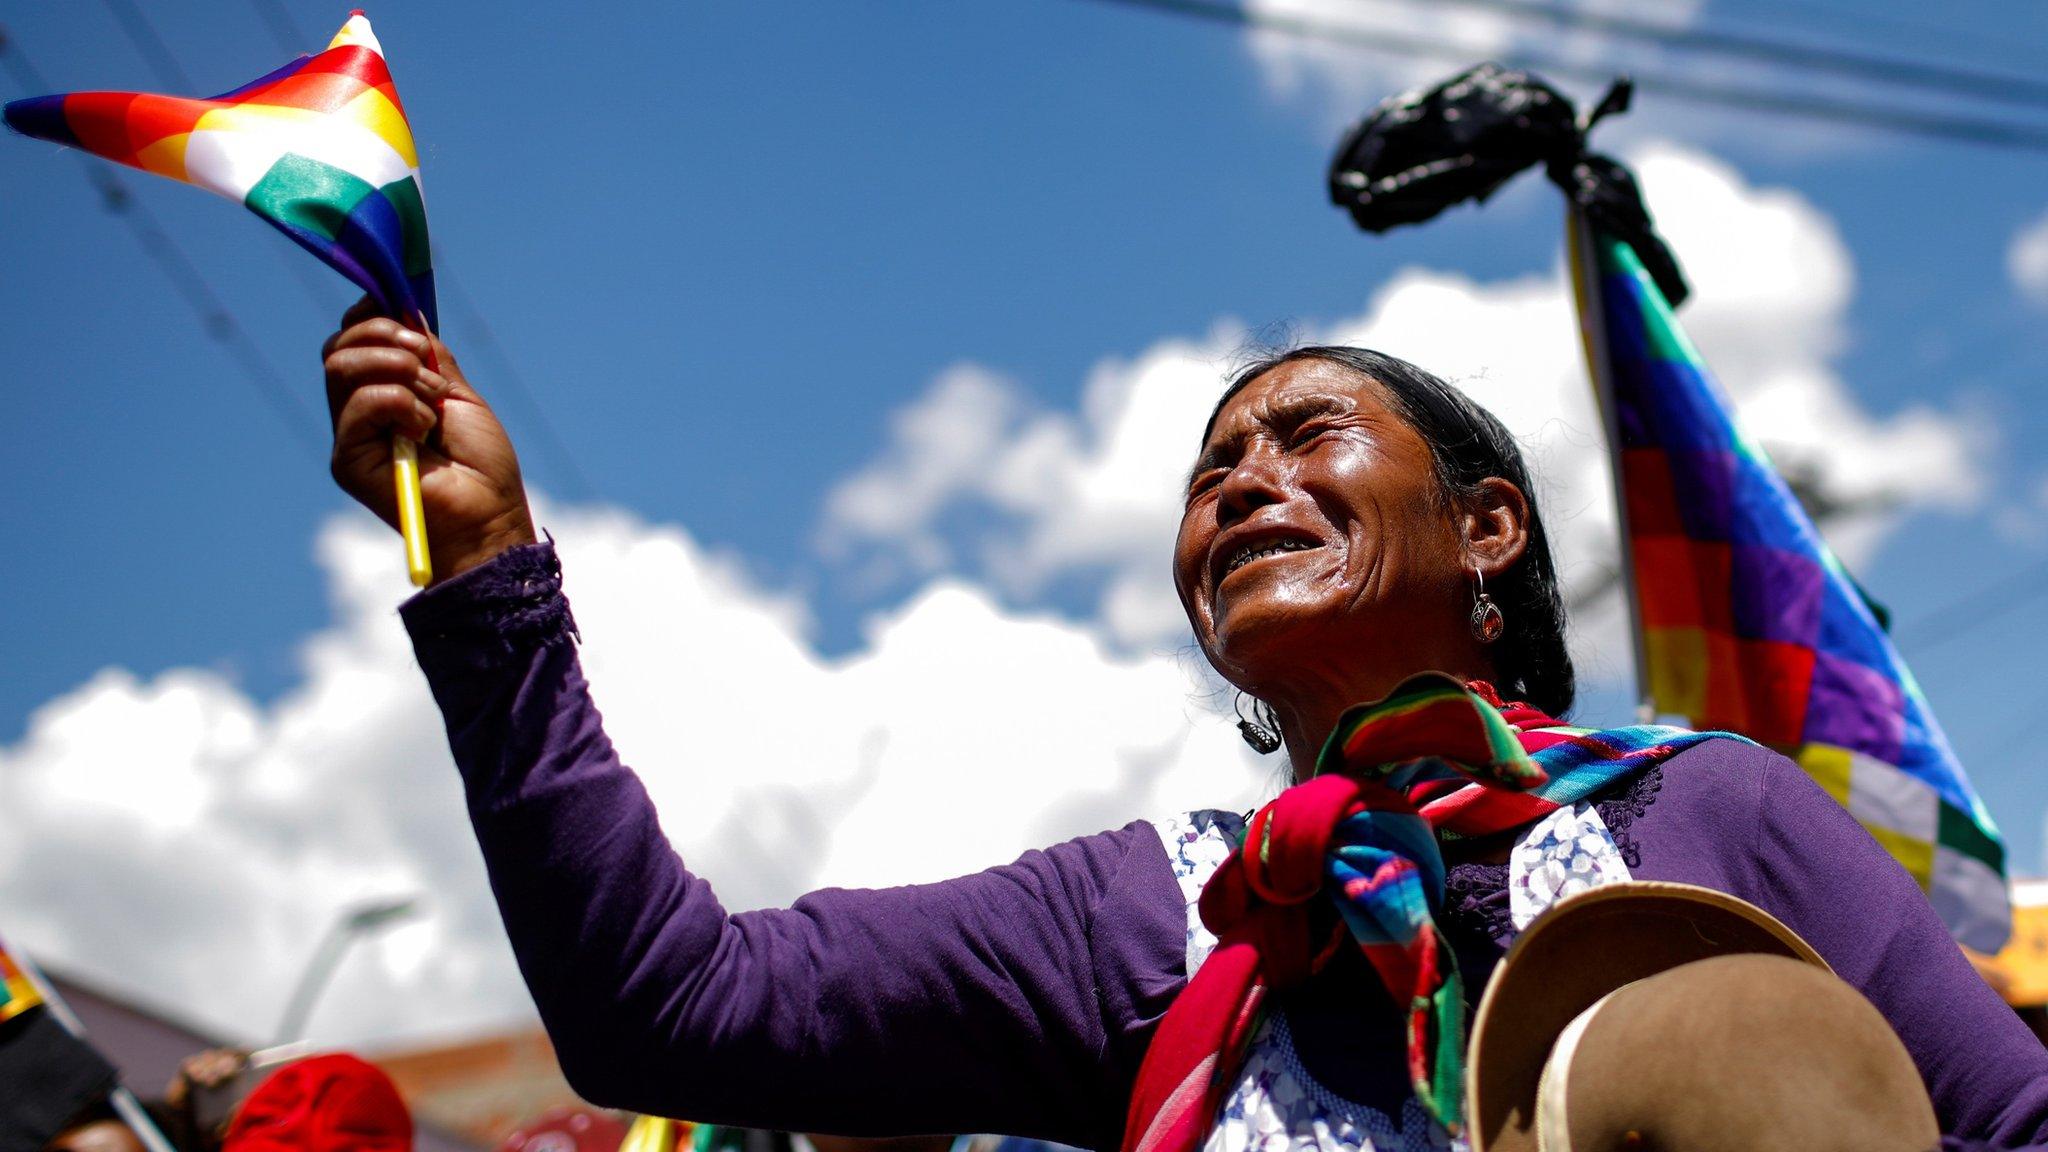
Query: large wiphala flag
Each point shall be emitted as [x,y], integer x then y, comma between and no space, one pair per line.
[1749,623]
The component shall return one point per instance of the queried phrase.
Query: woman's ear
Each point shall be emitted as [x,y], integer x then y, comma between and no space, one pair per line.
[1494,526]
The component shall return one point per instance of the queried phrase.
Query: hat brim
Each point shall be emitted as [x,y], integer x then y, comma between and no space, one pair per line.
[1584,947]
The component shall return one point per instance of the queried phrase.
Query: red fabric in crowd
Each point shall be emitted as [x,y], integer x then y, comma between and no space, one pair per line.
[332,1103]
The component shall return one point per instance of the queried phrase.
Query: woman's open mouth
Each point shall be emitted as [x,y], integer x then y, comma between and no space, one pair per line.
[1262,549]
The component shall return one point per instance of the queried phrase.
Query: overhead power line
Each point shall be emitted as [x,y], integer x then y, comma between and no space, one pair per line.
[219,323]
[1891,71]
[505,370]
[283,28]
[1976,608]
[143,35]
[1860,19]
[2006,41]
[1990,132]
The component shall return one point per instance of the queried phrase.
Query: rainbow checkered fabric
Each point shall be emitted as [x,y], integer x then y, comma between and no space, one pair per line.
[1749,622]
[321,148]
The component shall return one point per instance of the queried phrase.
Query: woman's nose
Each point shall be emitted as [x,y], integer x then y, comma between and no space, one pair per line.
[1254,482]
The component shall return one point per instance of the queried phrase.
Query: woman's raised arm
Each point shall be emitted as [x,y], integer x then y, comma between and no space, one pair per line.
[1015,1000]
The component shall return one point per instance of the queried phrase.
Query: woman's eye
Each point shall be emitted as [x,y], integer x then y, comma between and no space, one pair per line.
[1205,481]
[1307,434]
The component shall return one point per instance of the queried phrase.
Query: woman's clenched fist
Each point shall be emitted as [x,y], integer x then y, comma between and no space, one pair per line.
[379,385]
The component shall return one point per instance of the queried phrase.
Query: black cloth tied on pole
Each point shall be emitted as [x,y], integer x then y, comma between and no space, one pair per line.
[1425,150]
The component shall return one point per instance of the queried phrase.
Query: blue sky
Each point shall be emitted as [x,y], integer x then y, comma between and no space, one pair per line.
[726,245]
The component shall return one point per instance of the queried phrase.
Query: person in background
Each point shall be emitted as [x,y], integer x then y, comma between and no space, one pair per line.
[331,1102]
[200,1075]
[328,1103]
[100,1129]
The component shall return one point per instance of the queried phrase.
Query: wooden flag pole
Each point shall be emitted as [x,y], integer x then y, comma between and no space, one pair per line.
[1585,264]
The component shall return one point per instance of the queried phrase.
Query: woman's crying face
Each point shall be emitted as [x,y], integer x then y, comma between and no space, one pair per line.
[1315,533]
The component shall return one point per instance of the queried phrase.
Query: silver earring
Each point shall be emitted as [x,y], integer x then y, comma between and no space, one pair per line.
[1262,729]
[1487,622]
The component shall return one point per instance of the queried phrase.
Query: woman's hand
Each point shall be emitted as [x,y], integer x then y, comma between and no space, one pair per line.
[378,385]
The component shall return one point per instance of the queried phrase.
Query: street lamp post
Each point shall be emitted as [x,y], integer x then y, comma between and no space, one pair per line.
[354,922]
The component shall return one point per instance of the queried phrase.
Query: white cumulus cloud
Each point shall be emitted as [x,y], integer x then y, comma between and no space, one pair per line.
[2027,260]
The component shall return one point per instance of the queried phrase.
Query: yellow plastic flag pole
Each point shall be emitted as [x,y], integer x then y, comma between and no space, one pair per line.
[653,1134]
[405,477]
[412,513]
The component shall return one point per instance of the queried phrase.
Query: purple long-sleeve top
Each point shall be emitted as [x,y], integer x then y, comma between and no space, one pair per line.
[1021,999]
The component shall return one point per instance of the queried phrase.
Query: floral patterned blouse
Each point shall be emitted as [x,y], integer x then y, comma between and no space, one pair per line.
[1277,1104]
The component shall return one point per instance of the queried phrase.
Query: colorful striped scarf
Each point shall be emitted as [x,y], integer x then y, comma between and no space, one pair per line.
[1435,758]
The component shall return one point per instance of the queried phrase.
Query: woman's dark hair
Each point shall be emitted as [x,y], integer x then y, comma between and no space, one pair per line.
[1467,444]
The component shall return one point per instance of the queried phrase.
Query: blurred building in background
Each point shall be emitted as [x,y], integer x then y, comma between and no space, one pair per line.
[465,1097]
[144,1044]
[480,1090]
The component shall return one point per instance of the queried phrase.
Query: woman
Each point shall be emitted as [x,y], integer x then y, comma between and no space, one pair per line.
[1350,521]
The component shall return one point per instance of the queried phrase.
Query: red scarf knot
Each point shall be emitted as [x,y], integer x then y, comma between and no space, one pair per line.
[1261,892]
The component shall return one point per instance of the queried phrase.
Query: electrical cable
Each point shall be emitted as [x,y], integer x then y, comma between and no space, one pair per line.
[1990,132]
[1818,13]
[144,36]
[219,323]
[283,28]
[484,339]
[1974,609]
[1882,70]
